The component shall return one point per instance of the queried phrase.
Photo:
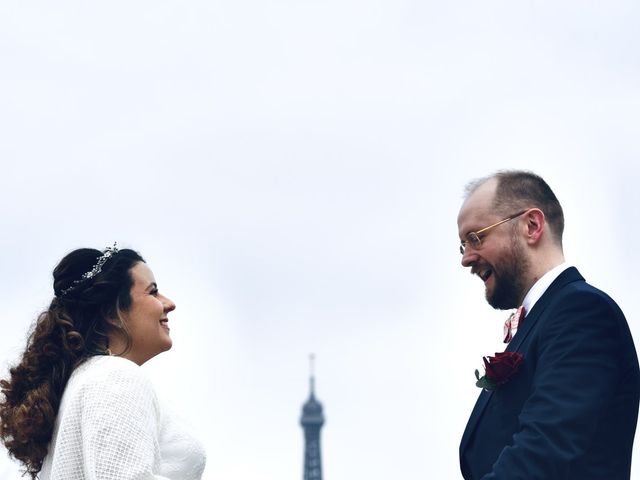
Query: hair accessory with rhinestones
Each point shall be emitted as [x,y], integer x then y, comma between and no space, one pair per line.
[95,270]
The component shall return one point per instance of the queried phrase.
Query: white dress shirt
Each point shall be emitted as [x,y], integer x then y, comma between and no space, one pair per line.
[538,288]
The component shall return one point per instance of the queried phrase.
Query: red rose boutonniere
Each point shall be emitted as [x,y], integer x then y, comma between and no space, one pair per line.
[499,369]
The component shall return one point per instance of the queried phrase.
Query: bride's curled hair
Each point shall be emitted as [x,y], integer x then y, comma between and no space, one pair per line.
[75,326]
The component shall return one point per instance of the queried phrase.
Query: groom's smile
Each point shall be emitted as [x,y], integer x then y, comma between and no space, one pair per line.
[484,274]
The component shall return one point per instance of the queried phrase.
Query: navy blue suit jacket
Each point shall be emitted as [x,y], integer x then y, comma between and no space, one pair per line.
[570,412]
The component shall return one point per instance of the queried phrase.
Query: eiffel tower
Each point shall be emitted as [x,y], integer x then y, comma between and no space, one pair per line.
[312,420]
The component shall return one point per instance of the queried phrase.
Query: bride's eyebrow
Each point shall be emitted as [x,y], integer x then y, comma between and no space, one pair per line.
[151,286]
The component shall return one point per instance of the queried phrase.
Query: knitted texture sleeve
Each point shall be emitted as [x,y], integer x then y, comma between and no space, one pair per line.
[109,429]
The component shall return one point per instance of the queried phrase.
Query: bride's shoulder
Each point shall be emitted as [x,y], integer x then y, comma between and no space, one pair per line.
[106,377]
[98,367]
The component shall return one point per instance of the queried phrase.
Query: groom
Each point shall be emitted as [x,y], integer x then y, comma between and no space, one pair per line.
[563,403]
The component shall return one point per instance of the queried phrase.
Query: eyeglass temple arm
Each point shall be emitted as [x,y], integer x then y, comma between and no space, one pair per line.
[501,222]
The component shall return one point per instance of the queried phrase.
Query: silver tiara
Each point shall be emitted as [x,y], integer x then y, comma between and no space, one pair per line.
[95,270]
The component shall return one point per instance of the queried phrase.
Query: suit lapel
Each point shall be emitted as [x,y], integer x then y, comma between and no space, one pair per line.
[569,275]
[479,407]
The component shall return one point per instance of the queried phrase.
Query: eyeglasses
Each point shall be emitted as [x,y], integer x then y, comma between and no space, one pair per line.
[475,240]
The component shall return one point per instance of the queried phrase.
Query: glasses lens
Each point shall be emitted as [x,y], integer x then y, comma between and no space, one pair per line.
[474,240]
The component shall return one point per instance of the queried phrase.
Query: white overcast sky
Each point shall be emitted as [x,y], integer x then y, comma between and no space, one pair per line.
[292,172]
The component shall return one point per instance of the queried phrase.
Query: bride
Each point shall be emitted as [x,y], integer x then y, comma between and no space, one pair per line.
[77,405]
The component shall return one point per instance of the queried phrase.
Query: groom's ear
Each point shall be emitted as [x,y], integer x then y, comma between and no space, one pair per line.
[536,225]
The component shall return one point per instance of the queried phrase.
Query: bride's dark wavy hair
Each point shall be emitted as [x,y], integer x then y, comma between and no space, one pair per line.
[74,327]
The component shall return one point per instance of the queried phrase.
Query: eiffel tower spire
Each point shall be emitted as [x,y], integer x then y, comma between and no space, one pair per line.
[312,420]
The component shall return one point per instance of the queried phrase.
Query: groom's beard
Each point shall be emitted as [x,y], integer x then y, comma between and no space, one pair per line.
[509,274]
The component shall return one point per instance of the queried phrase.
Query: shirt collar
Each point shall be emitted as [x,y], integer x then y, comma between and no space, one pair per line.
[538,289]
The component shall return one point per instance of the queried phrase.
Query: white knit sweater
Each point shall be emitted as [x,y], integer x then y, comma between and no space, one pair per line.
[110,427]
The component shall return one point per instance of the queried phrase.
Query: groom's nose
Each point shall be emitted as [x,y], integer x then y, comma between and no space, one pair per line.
[469,256]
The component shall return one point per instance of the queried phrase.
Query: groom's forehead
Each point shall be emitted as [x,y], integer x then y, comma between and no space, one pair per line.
[478,205]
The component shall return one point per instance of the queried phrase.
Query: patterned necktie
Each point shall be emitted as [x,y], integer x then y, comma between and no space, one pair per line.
[511,325]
